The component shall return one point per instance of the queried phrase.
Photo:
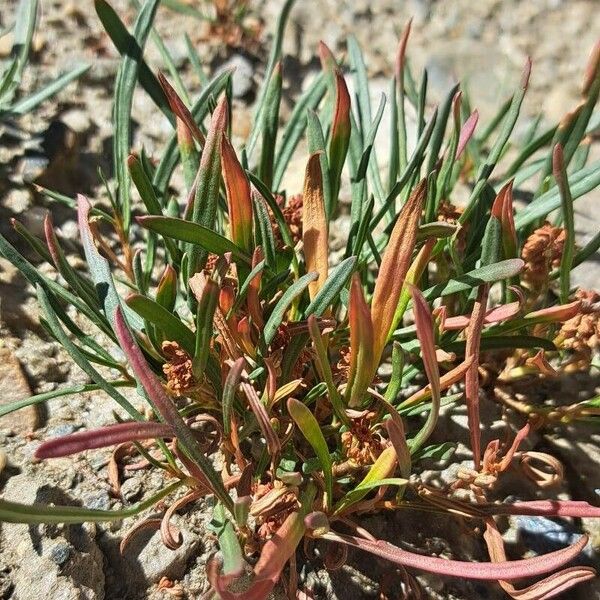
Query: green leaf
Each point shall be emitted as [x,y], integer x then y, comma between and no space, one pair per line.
[124,89]
[270,123]
[330,290]
[204,210]
[406,176]
[6,409]
[508,125]
[505,269]
[149,198]
[100,268]
[23,34]
[276,317]
[274,58]
[296,125]
[311,430]
[437,452]
[316,143]
[35,277]
[15,512]
[368,152]
[361,83]
[164,320]
[233,559]
[263,230]
[580,183]
[205,314]
[28,103]
[566,261]
[437,137]
[379,472]
[501,342]
[193,233]
[127,45]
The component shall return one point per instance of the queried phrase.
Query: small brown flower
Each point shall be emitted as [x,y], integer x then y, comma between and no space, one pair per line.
[449,213]
[581,333]
[341,369]
[178,369]
[360,444]
[272,503]
[541,252]
[211,261]
[292,214]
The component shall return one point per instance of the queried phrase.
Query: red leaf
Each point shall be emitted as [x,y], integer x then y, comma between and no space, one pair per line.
[101,438]
[239,204]
[180,109]
[490,571]
[362,366]
[394,267]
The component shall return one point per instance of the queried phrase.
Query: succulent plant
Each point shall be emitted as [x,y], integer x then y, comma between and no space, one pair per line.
[248,341]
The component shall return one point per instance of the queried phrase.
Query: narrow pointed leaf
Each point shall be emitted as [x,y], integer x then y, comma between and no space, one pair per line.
[194,234]
[173,328]
[363,362]
[331,288]
[278,314]
[311,430]
[382,469]
[14,512]
[395,264]
[239,203]
[314,225]
[204,210]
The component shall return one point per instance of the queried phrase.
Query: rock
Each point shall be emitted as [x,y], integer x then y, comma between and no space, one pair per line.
[61,430]
[58,562]
[146,560]
[18,201]
[578,448]
[99,501]
[243,76]
[158,561]
[544,535]
[13,387]
[77,120]
[132,488]
[41,360]
[6,44]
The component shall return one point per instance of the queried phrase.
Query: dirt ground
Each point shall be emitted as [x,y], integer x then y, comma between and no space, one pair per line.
[62,145]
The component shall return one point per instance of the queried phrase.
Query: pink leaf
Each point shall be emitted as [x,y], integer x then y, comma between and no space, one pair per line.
[490,571]
[101,438]
[541,590]
[466,133]
[473,335]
